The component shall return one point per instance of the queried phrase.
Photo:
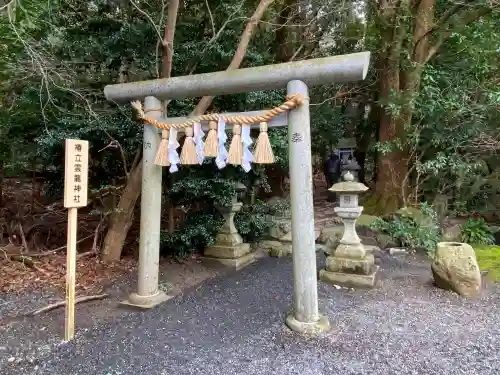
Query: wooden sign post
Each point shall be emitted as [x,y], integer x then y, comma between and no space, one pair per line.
[75,195]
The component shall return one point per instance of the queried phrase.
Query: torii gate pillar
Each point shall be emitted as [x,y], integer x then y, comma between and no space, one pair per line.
[296,76]
[305,317]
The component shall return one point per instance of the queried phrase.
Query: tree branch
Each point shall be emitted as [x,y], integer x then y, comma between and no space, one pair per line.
[11,2]
[55,305]
[211,17]
[444,21]
[157,30]
[399,33]
[240,53]
[466,19]
[193,65]
[168,39]
[448,14]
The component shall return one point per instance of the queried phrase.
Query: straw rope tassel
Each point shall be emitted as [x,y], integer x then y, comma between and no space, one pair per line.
[162,154]
[263,153]
[188,153]
[235,154]
[211,142]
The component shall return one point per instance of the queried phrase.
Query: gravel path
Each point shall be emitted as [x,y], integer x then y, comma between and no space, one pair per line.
[234,325]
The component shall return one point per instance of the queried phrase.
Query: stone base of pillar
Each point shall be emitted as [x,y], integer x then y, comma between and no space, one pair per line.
[284,249]
[235,257]
[363,266]
[236,264]
[227,251]
[146,302]
[308,328]
[352,280]
[350,271]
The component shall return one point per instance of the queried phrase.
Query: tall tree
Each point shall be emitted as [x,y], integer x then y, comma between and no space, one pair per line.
[121,219]
[411,33]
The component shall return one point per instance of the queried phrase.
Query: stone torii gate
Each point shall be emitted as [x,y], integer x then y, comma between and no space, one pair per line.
[296,77]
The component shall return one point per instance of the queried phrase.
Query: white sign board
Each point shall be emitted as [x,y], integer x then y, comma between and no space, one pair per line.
[76,173]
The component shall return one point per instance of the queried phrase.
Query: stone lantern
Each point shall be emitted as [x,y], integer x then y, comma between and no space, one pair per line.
[229,249]
[349,265]
[254,190]
[240,190]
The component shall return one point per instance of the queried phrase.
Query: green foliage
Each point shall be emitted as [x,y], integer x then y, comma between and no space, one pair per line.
[279,142]
[412,232]
[196,232]
[200,227]
[476,231]
[457,106]
[254,220]
[488,258]
[56,57]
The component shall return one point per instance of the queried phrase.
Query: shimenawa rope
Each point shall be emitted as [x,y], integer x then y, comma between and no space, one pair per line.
[263,153]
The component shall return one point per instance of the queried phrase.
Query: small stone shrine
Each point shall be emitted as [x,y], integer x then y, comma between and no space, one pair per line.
[350,265]
[229,249]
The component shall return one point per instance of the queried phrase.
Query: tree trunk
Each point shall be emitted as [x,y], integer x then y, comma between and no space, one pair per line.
[393,179]
[122,218]
[392,167]
[391,187]
[364,134]
[166,72]
[1,181]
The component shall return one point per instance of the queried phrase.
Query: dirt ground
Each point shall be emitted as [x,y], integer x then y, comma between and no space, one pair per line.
[26,337]
[234,325]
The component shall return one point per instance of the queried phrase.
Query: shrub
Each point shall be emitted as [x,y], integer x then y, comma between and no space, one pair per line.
[200,228]
[412,232]
[255,219]
[476,231]
[197,232]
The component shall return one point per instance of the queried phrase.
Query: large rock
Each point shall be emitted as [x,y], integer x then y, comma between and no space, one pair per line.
[416,214]
[280,228]
[276,248]
[330,236]
[279,238]
[385,241]
[282,206]
[366,220]
[288,237]
[455,268]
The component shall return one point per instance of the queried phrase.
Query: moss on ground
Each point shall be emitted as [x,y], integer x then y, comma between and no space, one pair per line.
[488,257]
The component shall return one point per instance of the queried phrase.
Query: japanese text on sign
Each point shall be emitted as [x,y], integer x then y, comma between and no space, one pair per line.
[76,173]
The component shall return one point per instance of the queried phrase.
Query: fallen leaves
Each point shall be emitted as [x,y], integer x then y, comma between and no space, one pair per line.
[50,271]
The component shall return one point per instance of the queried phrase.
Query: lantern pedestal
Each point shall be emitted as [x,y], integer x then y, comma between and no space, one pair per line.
[229,249]
[349,265]
[348,279]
